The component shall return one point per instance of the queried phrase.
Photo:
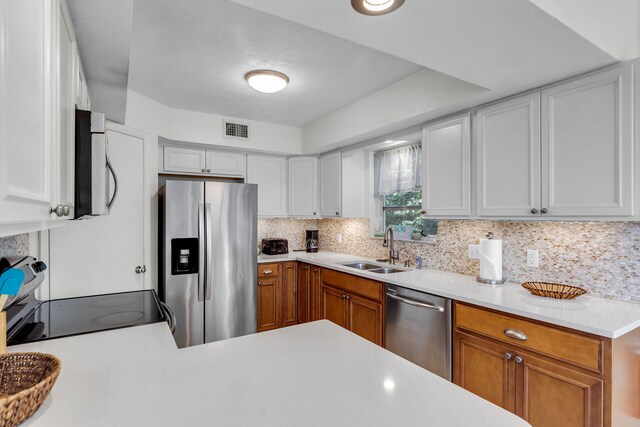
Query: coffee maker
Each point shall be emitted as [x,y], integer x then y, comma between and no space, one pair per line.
[312,241]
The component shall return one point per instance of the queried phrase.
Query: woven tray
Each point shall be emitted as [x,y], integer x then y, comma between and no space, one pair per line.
[554,290]
[25,382]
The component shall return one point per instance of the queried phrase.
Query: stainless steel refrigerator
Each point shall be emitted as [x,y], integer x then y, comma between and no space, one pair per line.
[208,256]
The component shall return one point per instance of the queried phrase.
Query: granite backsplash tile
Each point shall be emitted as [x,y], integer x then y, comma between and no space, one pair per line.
[12,246]
[286,228]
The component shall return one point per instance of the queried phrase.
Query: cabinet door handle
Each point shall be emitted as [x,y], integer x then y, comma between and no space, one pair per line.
[66,210]
[337,213]
[544,210]
[508,356]
[534,211]
[208,170]
[204,170]
[58,210]
[259,283]
[423,212]
[267,272]
[519,359]
[516,334]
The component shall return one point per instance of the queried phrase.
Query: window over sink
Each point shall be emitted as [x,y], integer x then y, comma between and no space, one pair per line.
[398,194]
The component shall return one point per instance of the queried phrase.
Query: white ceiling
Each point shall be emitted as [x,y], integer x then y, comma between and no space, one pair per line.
[193,55]
[496,44]
[103,32]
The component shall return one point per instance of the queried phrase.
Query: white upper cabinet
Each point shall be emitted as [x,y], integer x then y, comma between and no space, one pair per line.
[226,163]
[64,148]
[587,146]
[330,172]
[303,184]
[187,160]
[27,109]
[446,148]
[200,161]
[270,173]
[508,158]
[355,190]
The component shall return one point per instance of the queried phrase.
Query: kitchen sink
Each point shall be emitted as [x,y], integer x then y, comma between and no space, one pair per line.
[386,270]
[373,268]
[362,266]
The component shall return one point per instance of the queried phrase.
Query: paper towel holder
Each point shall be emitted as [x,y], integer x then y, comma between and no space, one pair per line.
[490,281]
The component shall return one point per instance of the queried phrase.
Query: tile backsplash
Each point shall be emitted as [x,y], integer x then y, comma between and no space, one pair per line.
[603,257]
[14,245]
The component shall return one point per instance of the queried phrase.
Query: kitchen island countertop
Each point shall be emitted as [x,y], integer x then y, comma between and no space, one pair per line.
[315,374]
[600,316]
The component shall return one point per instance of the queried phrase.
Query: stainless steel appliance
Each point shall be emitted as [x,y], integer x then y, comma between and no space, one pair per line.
[93,170]
[208,259]
[312,241]
[275,246]
[418,328]
[30,320]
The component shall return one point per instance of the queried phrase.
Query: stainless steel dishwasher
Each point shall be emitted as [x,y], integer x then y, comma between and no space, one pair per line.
[418,328]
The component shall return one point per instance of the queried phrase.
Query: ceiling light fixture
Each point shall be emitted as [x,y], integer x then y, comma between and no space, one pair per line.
[266,81]
[376,7]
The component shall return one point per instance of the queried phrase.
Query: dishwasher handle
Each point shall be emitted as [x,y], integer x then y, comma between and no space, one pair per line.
[416,303]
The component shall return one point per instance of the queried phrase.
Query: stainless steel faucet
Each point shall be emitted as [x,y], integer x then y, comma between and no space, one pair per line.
[388,242]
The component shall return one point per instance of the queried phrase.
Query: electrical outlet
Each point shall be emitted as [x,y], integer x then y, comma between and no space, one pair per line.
[533,258]
[473,252]
[339,238]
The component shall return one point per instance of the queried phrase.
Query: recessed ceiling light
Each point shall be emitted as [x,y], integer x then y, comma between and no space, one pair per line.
[266,81]
[376,7]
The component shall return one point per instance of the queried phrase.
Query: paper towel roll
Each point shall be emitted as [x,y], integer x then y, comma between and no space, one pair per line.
[491,259]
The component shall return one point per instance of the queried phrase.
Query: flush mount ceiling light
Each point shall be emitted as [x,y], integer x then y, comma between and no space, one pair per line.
[376,7]
[266,81]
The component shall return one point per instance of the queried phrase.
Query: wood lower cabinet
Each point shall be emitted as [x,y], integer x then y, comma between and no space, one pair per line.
[269,303]
[341,304]
[289,294]
[482,367]
[547,384]
[314,277]
[303,292]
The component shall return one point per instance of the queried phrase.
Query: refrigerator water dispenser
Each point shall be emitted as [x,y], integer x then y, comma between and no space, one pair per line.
[184,256]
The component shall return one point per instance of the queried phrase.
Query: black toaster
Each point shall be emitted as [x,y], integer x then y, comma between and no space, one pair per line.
[275,246]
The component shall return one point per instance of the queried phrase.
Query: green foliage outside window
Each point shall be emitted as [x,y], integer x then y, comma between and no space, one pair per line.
[403,209]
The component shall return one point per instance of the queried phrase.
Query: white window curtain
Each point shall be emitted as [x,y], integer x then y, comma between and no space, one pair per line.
[398,169]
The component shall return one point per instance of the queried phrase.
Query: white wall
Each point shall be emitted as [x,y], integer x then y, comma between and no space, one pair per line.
[156,118]
[613,26]
[400,105]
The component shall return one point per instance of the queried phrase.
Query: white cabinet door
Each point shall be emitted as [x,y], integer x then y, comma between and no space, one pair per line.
[330,185]
[26,106]
[226,163]
[508,158]
[303,185]
[355,191]
[270,173]
[446,148]
[63,178]
[587,146]
[100,255]
[187,160]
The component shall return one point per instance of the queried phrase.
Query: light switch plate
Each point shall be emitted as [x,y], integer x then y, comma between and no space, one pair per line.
[533,258]
[473,252]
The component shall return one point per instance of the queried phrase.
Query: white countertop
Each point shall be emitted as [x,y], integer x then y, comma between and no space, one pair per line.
[315,374]
[600,316]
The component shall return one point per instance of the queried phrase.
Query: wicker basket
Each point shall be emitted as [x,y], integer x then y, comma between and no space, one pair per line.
[554,290]
[25,382]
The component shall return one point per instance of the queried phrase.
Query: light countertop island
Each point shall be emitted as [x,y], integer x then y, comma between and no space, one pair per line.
[315,374]
[600,316]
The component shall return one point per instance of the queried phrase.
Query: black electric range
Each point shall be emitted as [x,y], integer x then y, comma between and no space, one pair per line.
[30,320]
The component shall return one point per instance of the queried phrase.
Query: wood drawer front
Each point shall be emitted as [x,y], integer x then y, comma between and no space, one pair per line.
[566,346]
[353,284]
[268,270]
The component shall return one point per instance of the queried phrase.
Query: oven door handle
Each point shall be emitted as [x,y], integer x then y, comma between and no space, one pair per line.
[416,303]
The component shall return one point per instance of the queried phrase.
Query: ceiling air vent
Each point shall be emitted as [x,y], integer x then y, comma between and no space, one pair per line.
[236,130]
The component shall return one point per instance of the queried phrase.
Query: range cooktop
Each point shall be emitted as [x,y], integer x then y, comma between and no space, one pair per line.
[74,316]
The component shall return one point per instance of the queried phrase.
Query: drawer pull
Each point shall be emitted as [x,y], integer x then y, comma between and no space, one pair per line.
[267,272]
[519,359]
[516,334]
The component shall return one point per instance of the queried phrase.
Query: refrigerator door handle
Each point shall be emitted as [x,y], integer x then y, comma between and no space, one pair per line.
[202,255]
[209,252]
